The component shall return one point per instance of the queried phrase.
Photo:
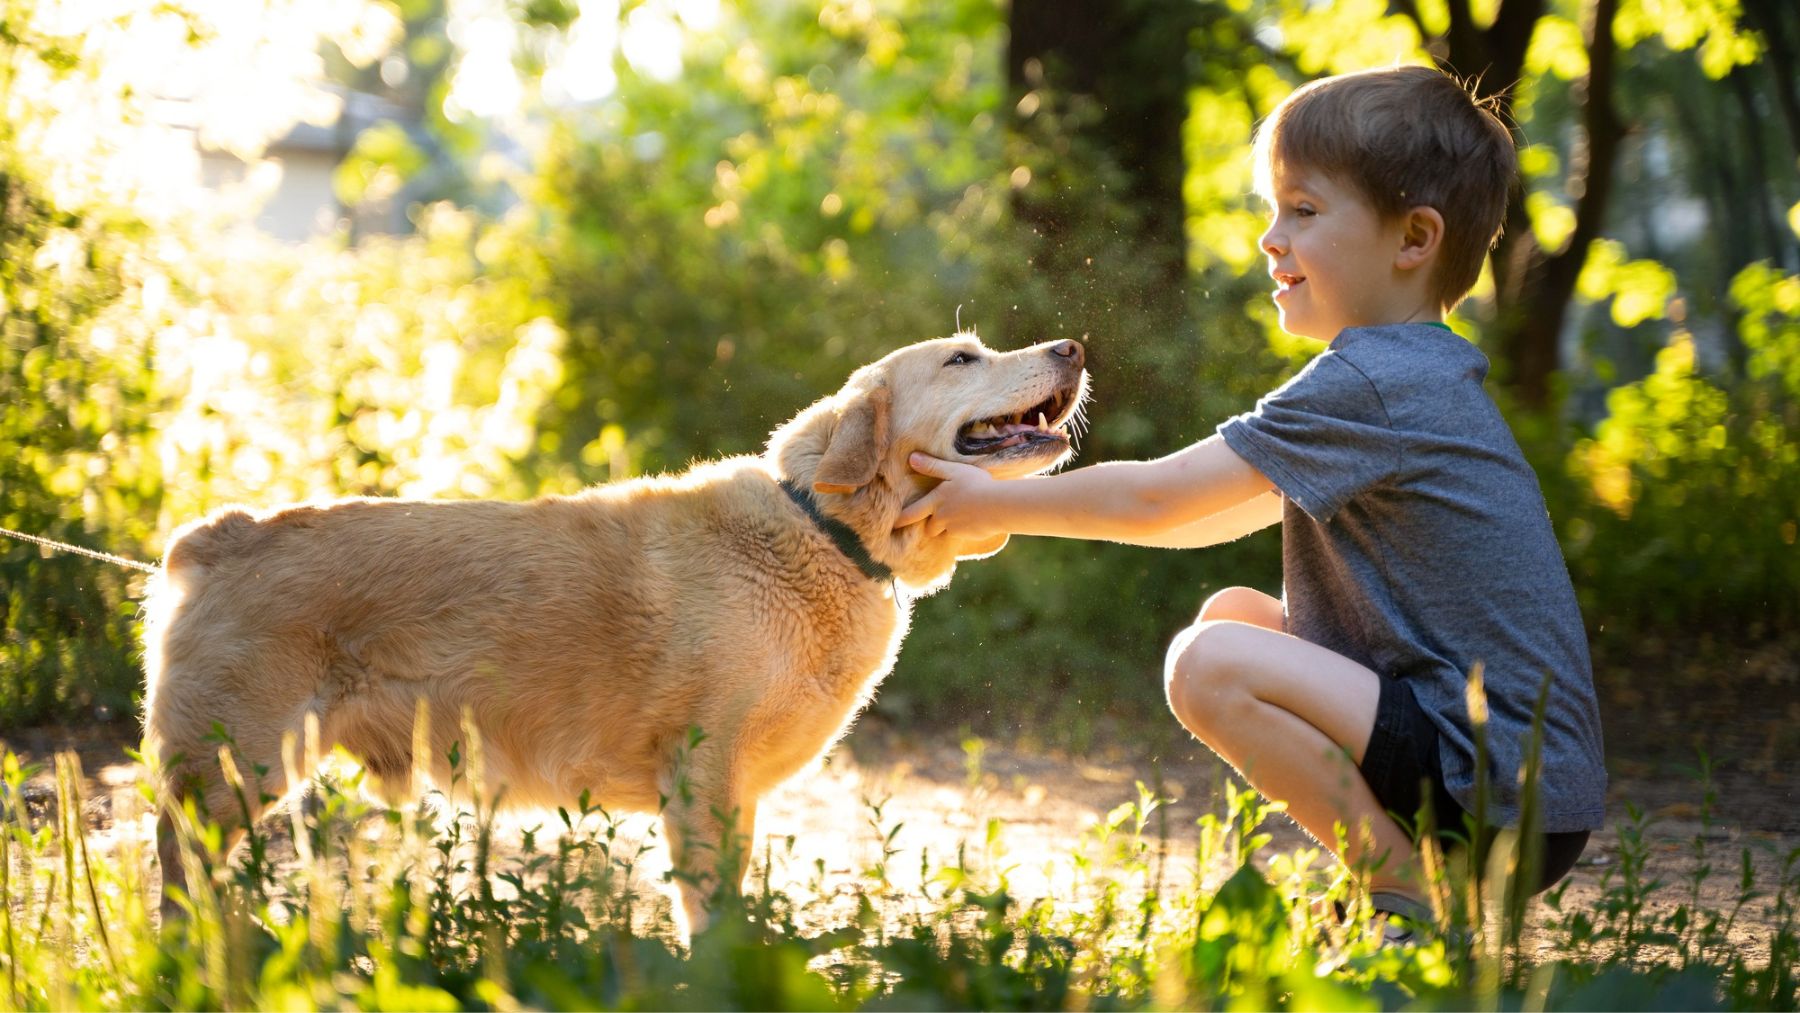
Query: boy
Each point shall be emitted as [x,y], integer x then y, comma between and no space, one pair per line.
[1416,546]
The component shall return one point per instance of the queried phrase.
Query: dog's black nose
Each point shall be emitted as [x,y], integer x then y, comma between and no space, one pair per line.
[1070,350]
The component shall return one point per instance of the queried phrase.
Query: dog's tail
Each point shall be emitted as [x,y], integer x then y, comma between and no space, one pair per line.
[207,542]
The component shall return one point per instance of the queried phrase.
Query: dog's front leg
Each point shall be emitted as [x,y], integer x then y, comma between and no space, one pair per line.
[709,834]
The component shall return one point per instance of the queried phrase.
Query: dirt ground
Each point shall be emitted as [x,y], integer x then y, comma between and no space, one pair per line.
[942,795]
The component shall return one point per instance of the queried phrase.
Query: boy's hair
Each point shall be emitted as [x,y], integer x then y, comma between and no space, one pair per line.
[1402,137]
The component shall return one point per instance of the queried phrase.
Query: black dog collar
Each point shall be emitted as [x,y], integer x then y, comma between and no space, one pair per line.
[841,535]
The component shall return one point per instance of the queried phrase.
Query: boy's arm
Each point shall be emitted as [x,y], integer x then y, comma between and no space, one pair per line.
[1227,525]
[1125,501]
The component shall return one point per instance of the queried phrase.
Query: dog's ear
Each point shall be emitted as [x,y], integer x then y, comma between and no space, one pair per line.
[857,444]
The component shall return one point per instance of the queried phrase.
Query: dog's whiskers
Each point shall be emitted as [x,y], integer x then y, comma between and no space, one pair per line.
[1078,423]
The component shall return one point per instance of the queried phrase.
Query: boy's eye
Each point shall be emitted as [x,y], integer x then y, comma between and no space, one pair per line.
[1304,211]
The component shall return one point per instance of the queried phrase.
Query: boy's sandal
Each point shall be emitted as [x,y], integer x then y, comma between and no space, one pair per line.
[1401,917]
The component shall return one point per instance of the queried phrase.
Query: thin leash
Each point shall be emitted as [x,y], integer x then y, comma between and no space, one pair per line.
[104,557]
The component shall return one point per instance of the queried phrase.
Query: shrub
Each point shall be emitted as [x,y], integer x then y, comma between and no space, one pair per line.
[1688,487]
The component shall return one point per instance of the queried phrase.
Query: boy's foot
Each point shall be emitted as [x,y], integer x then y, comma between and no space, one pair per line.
[1395,930]
[1401,916]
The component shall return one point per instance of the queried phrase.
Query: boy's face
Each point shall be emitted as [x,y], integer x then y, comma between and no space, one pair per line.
[1332,257]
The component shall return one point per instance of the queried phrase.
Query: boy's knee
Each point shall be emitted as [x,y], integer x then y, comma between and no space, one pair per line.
[1243,605]
[1202,670]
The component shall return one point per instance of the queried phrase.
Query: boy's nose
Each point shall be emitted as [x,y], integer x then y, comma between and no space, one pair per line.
[1272,242]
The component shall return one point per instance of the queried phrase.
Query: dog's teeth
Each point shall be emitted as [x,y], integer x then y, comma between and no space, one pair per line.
[1043,423]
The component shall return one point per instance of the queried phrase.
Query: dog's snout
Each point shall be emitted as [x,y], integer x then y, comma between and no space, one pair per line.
[1070,350]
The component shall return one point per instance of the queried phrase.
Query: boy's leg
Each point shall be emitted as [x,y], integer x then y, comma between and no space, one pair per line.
[1294,718]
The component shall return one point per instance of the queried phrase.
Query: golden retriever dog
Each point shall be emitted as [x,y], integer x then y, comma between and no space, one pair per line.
[584,639]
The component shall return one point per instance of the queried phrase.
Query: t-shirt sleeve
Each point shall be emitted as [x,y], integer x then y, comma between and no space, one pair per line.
[1321,438]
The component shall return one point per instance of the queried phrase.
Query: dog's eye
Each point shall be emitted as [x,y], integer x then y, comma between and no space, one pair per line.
[961,359]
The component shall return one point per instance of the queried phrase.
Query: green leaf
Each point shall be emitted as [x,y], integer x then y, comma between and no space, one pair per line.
[1557,48]
[1552,222]
[1640,289]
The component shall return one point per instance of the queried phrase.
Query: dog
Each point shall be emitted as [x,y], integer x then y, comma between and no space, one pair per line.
[678,644]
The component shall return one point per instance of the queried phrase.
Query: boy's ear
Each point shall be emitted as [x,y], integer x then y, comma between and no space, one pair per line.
[1421,234]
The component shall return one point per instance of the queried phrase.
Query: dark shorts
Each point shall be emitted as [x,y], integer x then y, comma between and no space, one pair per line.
[1401,764]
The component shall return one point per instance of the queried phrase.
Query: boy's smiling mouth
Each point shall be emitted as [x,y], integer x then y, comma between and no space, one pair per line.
[1285,282]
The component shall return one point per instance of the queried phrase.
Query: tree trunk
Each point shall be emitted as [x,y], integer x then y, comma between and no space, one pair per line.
[1699,116]
[1098,95]
[1532,286]
[1772,234]
[1774,20]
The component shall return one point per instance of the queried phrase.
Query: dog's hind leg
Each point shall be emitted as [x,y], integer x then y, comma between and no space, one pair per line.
[217,743]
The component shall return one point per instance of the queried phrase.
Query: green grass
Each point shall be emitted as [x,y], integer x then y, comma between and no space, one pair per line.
[416,910]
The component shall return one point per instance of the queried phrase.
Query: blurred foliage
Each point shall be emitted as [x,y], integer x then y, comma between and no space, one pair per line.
[74,455]
[671,266]
[1697,483]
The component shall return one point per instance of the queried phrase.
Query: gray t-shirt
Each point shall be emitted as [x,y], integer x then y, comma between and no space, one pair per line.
[1415,540]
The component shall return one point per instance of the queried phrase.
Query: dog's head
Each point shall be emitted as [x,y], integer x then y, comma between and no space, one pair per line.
[954,398]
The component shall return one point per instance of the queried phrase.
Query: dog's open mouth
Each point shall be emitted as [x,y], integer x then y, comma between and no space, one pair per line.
[1036,427]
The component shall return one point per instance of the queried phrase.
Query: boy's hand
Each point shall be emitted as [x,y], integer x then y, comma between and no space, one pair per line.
[958,505]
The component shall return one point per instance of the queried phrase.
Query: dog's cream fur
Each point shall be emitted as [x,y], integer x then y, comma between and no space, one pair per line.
[583,636]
